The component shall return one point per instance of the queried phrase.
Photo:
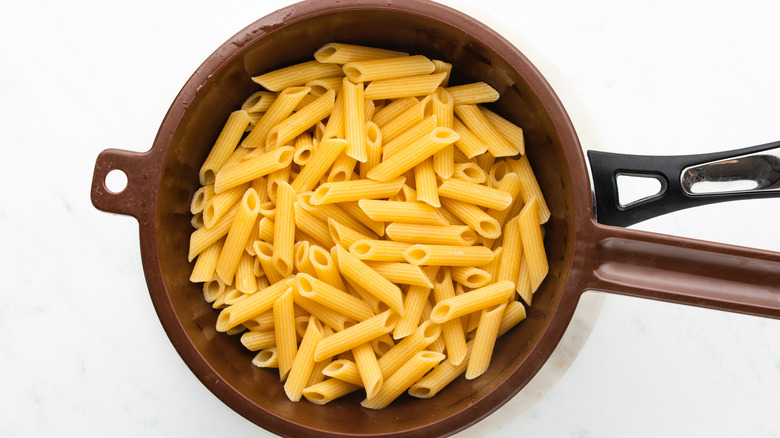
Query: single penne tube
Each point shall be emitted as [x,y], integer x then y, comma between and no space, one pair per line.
[231,297]
[284,230]
[335,126]
[509,267]
[252,306]
[425,180]
[281,108]
[529,186]
[325,267]
[401,352]
[401,273]
[308,116]
[476,194]
[469,172]
[354,269]
[224,146]
[258,340]
[368,368]
[304,361]
[403,212]
[393,110]
[408,136]
[213,288]
[510,131]
[513,314]
[444,160]
[354,119]
[400,381]
[262,322]
[407,86]
[473,93]
[266,358]
[258,102]
[343,168]
[302,259]
[443,67]
[274,179]
[344,235]
[206,264]
[322,85]
[264,252]
[414,302]
[448,255]
[313,226]
[297,74]
[387,68]
[523,283]
[322,159]
[218,205]
[326,315]
[201,198]
[304,149]
[266,228]
[340,53]
[345,370]
[379,250]
[246,282]
[510,184]
[334,211]
[349,191]
[473,216]
[373,149]
[328,390]
[355,289]
[353,209]
[451,331]
[247,170]
[485,161]
[476,121]
[316,372]
[358,334]
[484,341]
[329,296]
[382,344]
[413,154]
[202,238]
[472,301]
[197,220]
[237,236]
[468,143]
[407,119]
[533,244]
[433,234]
[470,276]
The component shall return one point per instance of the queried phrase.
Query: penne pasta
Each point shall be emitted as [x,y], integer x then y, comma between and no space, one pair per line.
[407,119]
[206,264]
[474,93]
[401,273]
[414,302]
[452,330]
[403,212]
[393,110]
[379,250]
[349,191]
[298,74]
[472,277]
[284,230]
[509,267]
[529,187]
[470,302]
[354,269]
[368,368]
[448,255]
[468,142]
[400,381]
[474,217]
[475,194]
[201,198]
[433,234]
[387,68]
[407,86]
[329,296]
[295,125]
[354,120]
[251,307]
[281,108]
[533,244]
[425,180]
[484,341]
[408,136]
[339,53]
[444,160]
[358,334]
[224,146]
[328,390]
[344,370]
[511,132]
[248,169]
[303,364]
[322,159]
[258,102]
[476,121]
[237,236]
[413,154]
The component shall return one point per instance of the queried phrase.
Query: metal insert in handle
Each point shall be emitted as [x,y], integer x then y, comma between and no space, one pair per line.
[686,180]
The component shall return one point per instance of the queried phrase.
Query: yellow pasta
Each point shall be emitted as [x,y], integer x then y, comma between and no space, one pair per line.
[329,296]
[401,273]
[408,136]
[475,194]
[469,172]
[281,108]
[387,68]
[206,265]
[251,168]
[326,315]
[414,301]
[474,93]
[344,235]
[354,210]
[523,283]
[474,217]
[225,145]
[325,267]
[407,119]
[218,205]
[284,230]
[313,226]
[511,132]
[266,358]
[452,330]
[448,255]
[246,281]
[425,180]
[305,118]
[347,191]
[400,381]
[475,120]
[395,357]
[340,53]
[444,160]
[529,187]
[345,370]
[533,244]
[393,110]
[318,165]
[379,250]
[404,212]
[258,340]
[201,198]
[472,277]
[373,149]
[237,236]
[368,368]
[413,154]
[302,260]
[442,67]
[407,86]
[354,120]
[298,74]
[356,270]
[509,266]
[264,252]
[304,361]
[433,234]
[355,335]
[328,390]
[484,341]
[252,306]
[470,302]
[213,289]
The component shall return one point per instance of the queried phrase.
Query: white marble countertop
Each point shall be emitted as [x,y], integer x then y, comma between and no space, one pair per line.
[82,352]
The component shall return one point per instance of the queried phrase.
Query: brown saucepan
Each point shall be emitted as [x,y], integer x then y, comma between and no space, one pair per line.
[584,254]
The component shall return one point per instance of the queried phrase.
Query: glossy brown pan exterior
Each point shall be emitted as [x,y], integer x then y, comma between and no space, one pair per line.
[583,254]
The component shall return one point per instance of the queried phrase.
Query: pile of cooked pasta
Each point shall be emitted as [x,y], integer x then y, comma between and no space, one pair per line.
[365,226]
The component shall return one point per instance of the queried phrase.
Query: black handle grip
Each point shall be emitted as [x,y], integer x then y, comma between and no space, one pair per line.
[605,168]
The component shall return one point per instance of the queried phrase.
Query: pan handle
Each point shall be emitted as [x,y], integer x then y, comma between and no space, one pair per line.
[133,199]
[684,271]
[686,180]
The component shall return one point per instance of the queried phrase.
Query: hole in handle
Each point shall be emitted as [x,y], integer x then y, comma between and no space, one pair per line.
[633,188]
[116,181]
